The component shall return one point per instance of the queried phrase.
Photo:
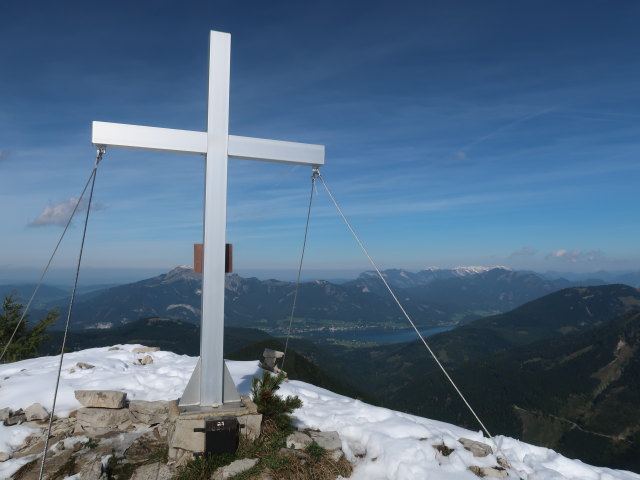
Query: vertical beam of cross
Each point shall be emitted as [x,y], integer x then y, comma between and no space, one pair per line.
[211,384]
[215,220]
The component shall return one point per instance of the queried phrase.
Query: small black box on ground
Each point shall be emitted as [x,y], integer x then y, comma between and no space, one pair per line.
[221,435]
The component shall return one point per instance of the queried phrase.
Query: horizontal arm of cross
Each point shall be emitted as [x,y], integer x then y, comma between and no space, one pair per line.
[106,134]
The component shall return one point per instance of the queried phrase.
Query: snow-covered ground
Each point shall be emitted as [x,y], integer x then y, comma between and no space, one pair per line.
[384,444]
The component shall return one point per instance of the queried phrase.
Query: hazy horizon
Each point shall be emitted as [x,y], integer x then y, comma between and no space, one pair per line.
[90,276]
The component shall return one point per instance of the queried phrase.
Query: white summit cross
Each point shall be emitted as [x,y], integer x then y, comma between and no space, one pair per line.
[210,384]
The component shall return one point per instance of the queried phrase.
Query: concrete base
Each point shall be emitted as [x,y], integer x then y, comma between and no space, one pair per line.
[228,408]
[184,442]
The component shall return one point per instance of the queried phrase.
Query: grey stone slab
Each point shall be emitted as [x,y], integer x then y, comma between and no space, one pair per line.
[298,441]
[150,413]
[101,398]
[36,412]
[102,420]
[327,440]
[478,449]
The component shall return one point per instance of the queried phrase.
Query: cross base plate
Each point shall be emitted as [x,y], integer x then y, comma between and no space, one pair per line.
[190,400]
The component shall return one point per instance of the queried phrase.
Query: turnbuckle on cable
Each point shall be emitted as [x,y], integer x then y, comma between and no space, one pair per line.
[99,153]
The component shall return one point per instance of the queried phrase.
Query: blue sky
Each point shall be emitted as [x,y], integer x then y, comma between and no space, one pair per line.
[457,133]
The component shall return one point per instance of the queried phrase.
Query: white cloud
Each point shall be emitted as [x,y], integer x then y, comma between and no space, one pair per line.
[59,214]
[575,255]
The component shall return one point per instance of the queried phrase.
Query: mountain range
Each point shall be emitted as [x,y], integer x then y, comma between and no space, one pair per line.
[433,297]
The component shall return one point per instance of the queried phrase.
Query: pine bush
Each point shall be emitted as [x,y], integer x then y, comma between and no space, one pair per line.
[27,340]
[271,405]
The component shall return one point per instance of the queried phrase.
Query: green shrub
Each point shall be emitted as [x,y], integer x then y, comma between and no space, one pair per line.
[273,407]
[27,341]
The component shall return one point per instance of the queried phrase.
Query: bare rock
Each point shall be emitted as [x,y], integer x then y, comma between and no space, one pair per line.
[155,471]
[98,421]
[4,413]
[328,440]
[4,456]
[146,360]
[146,349]
[478,449]
[298,441]
[34,443]
[270,358]
[111,349]
[491,472]
[150,413]
[336,455]
[162,430]
[234,468]
[101,398]
[85,366]
[92,467]
[63,427]
[15,418]
[55,461]
[36,412]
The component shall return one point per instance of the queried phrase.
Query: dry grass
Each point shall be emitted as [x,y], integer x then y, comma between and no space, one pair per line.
[282,463]
[323,469]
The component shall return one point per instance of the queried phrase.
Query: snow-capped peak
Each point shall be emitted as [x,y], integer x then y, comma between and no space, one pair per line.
[463,271]
[475,269]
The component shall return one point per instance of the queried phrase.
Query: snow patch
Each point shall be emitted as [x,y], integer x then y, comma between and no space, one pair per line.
[476,269]
[383,444]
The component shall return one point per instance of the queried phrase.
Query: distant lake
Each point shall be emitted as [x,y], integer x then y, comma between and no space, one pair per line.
[385,335]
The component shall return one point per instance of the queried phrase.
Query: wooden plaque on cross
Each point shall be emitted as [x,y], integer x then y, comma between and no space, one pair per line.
[198,258]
